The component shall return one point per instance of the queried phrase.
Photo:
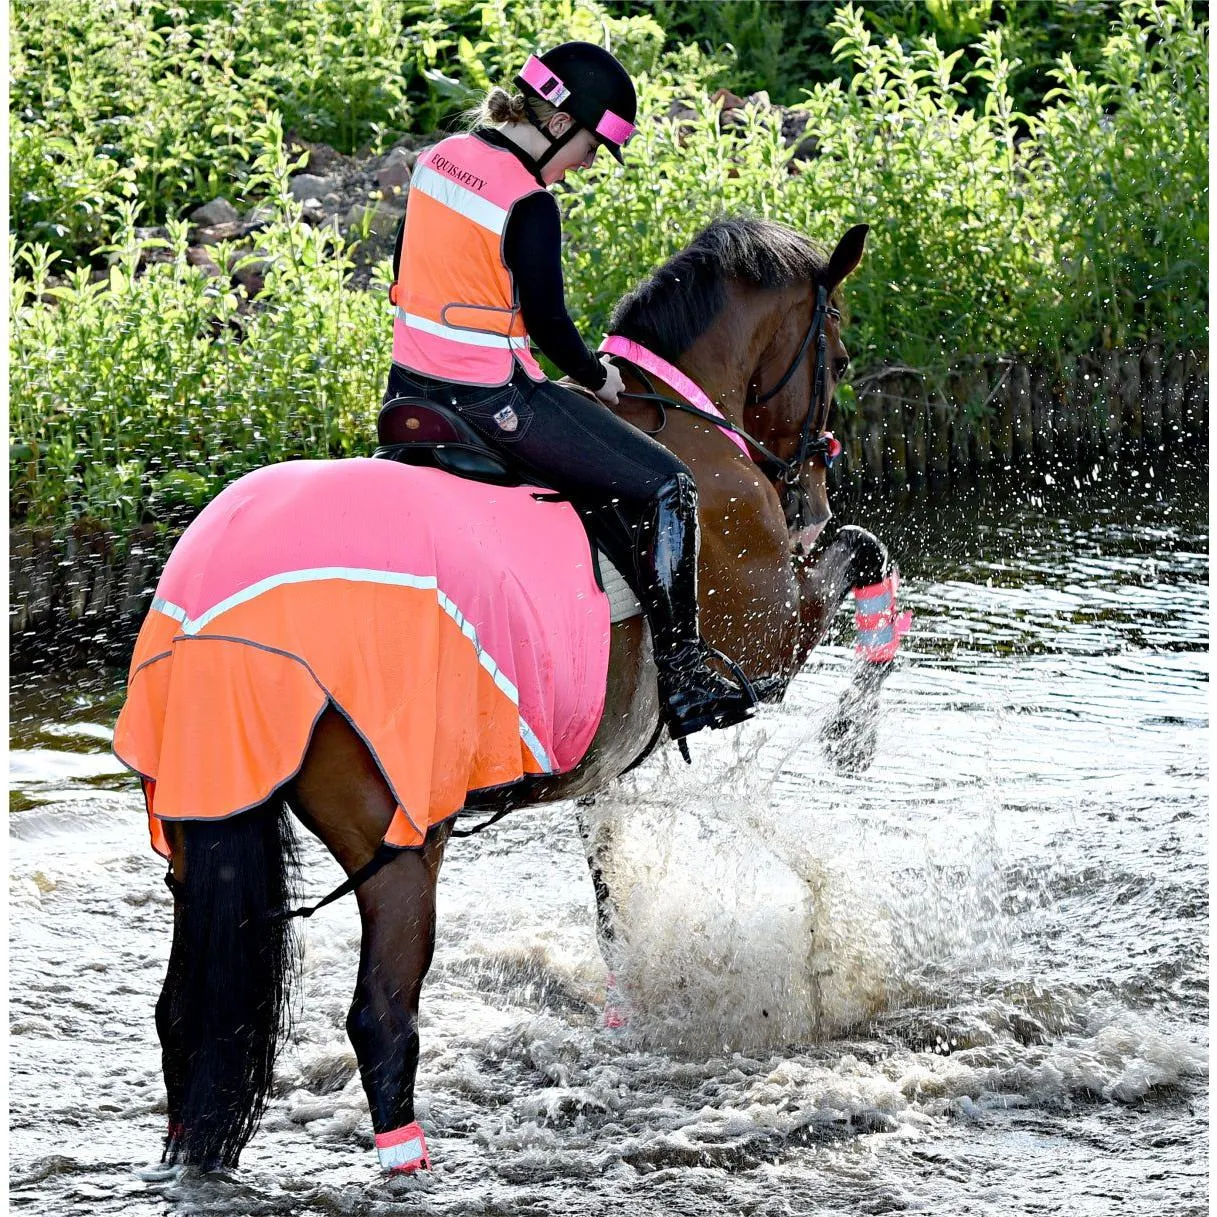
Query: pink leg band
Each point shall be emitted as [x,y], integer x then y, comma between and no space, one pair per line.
[616,1013]
[404,1150]
[880,627]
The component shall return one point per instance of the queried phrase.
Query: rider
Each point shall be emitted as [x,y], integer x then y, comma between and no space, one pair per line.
[479,275]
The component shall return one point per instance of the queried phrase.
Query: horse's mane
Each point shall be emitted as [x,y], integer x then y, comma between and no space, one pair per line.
[676,305]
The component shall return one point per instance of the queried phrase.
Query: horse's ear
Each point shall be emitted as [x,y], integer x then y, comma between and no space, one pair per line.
[846,256]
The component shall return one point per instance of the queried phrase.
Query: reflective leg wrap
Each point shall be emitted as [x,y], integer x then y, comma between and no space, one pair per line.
[880,626]
[616,1011]
[404,1150]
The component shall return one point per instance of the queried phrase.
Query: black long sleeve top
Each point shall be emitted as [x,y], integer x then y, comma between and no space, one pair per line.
[532,249]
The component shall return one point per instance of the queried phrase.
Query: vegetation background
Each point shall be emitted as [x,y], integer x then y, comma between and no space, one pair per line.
[1035,173]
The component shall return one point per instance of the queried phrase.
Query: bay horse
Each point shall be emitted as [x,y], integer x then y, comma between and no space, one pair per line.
[747,313]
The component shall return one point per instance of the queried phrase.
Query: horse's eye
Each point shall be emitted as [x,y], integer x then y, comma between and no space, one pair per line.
[839,366]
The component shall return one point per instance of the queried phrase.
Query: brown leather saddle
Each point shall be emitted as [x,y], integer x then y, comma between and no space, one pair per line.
[416,431]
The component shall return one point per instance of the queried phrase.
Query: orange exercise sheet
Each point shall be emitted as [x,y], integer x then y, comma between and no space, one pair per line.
[458,626]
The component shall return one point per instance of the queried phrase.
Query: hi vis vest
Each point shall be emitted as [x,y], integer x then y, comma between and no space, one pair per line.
[457,317]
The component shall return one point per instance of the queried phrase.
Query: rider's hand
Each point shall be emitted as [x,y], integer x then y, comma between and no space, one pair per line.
[613,386]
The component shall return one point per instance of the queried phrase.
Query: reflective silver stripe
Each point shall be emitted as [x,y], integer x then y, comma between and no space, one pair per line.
[876,637]
[353,574]
[361,575]
[477,338]
[460,198]
[527,734]
[401,1154]
[170,610]
[873,604]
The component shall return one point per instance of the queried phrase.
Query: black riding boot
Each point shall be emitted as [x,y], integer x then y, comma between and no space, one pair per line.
[692,695]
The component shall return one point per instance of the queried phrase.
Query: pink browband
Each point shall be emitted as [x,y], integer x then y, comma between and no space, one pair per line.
[551,87]
[614,344]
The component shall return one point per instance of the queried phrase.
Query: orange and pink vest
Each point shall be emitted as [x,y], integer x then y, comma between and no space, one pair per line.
[457,315]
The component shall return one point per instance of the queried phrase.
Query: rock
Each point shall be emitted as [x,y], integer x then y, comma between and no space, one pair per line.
[309,186]
[197,255]
[761,99]
[382,219]
[323,161]
[794,123]
[213,234]
[313,211]
[393,177]
[805,149]
[731,101]
[259,217]
[252,276]
[218,211]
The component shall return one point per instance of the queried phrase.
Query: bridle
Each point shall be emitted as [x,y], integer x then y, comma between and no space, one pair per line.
[814,440]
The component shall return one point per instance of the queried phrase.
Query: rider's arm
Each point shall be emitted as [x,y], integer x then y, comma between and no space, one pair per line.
[532,249]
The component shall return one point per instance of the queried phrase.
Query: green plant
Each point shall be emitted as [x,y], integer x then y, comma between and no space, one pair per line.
[116,98]
[174,385]
[1124,155]
[136,392]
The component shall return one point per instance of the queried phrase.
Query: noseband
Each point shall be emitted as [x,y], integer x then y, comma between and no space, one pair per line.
[814,440]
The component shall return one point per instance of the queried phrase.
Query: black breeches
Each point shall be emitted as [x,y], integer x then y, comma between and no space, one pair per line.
[578,447]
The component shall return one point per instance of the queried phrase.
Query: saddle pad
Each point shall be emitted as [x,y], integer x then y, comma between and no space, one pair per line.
[623,604]
[458,626]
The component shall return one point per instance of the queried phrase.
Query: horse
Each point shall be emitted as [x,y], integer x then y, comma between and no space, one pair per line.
[748,315]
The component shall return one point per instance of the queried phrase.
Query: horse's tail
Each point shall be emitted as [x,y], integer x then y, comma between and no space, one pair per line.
[224,1005]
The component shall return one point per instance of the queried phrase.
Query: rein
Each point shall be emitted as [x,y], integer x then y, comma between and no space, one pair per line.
[814,440]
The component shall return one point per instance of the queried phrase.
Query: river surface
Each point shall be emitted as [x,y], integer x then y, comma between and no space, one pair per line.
[973,980]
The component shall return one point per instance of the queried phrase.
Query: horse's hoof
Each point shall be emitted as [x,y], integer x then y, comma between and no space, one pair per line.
[849,746]
[161,1172]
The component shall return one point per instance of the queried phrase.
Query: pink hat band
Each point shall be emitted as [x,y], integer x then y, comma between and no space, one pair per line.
[547,83]
[614,128]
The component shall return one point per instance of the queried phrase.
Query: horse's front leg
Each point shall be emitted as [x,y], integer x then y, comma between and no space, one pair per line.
[855,560]
[597,836]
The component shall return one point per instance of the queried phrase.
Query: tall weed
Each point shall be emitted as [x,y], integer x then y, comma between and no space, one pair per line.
[118,99]
[174,386]
[994,232]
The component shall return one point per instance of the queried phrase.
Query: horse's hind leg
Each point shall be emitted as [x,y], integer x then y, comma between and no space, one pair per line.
[397,908]
[342,797]
[174,1046]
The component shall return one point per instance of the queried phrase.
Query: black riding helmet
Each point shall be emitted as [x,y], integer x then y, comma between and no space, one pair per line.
[586,82]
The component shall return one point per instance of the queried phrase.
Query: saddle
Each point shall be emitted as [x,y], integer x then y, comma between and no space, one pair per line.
[417,431]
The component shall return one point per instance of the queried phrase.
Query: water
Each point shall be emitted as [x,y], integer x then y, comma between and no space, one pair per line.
[974,980]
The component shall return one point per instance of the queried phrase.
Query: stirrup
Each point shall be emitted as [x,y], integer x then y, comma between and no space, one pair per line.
[727,711]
